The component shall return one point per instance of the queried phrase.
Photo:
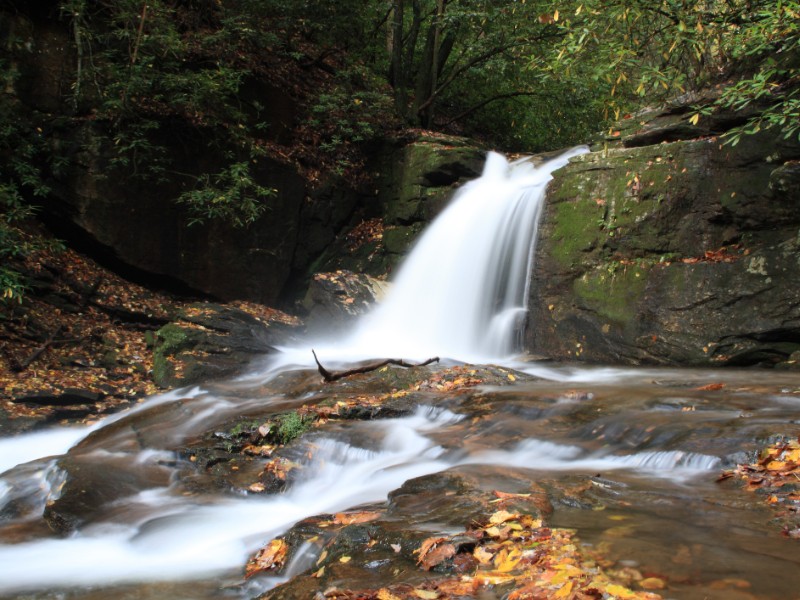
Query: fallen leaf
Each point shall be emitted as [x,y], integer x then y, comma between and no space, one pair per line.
[711,387]
[564,591]
[483,555]
[426,594]
[436,556]
[652,583]
[620,591]
[356,517]
[269,557]
[501,516]
[506,560]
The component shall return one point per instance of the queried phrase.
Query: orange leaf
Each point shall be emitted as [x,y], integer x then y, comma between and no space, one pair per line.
[436,556]
[269,557]
[711,387]
[355,517]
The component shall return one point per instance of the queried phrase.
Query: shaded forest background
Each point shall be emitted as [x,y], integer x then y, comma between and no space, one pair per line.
[523,75]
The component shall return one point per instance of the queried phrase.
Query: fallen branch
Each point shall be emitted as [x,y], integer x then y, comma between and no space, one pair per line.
[328,376]
[38,352]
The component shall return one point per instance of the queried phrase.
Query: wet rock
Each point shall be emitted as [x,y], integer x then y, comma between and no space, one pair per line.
[382,552]
[417,179]
[335,300]
[93,483]
[683,252]
[69,397]
[209,341]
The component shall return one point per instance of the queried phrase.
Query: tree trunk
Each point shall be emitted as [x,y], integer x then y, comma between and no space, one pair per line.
[397,71]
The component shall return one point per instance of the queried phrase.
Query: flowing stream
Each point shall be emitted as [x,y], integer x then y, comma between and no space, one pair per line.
[628,457]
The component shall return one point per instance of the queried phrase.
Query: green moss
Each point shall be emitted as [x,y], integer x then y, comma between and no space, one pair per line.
[575,230]
[245,427]
[613,290]
[289,427]
[169,340]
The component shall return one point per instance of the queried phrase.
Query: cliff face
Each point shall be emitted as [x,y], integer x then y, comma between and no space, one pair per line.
[666,246]
[115,211]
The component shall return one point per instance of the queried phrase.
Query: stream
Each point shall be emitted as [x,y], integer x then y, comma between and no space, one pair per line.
[155,503]
[628,458]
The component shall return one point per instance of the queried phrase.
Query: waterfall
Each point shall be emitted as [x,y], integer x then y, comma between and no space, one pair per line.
[462,291]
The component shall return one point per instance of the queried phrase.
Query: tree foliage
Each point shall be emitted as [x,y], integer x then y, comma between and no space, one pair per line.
[651,51]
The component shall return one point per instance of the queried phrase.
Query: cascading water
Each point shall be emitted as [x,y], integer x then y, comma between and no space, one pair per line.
[462,291]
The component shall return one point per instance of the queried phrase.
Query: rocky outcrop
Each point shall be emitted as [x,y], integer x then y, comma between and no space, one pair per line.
[208,341]
[667,246]
[335,300]
[138,223]
[416,180]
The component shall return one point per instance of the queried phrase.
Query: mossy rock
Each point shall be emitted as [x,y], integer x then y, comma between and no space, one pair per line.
[209,341]
[678,253]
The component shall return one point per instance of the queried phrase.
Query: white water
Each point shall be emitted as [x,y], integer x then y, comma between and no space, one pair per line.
[462,291]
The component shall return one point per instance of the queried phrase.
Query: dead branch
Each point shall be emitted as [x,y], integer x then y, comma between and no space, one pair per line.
[329,376]
[38,352]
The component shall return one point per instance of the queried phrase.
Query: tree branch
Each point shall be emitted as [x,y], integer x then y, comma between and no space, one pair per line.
[329,376]
[480,105]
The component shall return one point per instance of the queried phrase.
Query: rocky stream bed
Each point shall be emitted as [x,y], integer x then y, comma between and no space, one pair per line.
[446,481]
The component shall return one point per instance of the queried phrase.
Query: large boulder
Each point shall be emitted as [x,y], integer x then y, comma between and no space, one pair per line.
[209,341]
[416,180]
[664,248]
[335,300]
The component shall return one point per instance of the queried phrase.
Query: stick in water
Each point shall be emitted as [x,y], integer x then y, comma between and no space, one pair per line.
[328,376]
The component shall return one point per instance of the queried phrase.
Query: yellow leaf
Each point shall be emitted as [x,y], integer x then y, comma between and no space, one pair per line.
[426,594]
[493,578]
[694,119]
[507,560]
[555,16]
[384,594]
[319,573]
[578,10]
[652,583]
[620,591]
[322,556]
[501,516]
[269,557]
[564,591]
[511,377]
[345,559]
